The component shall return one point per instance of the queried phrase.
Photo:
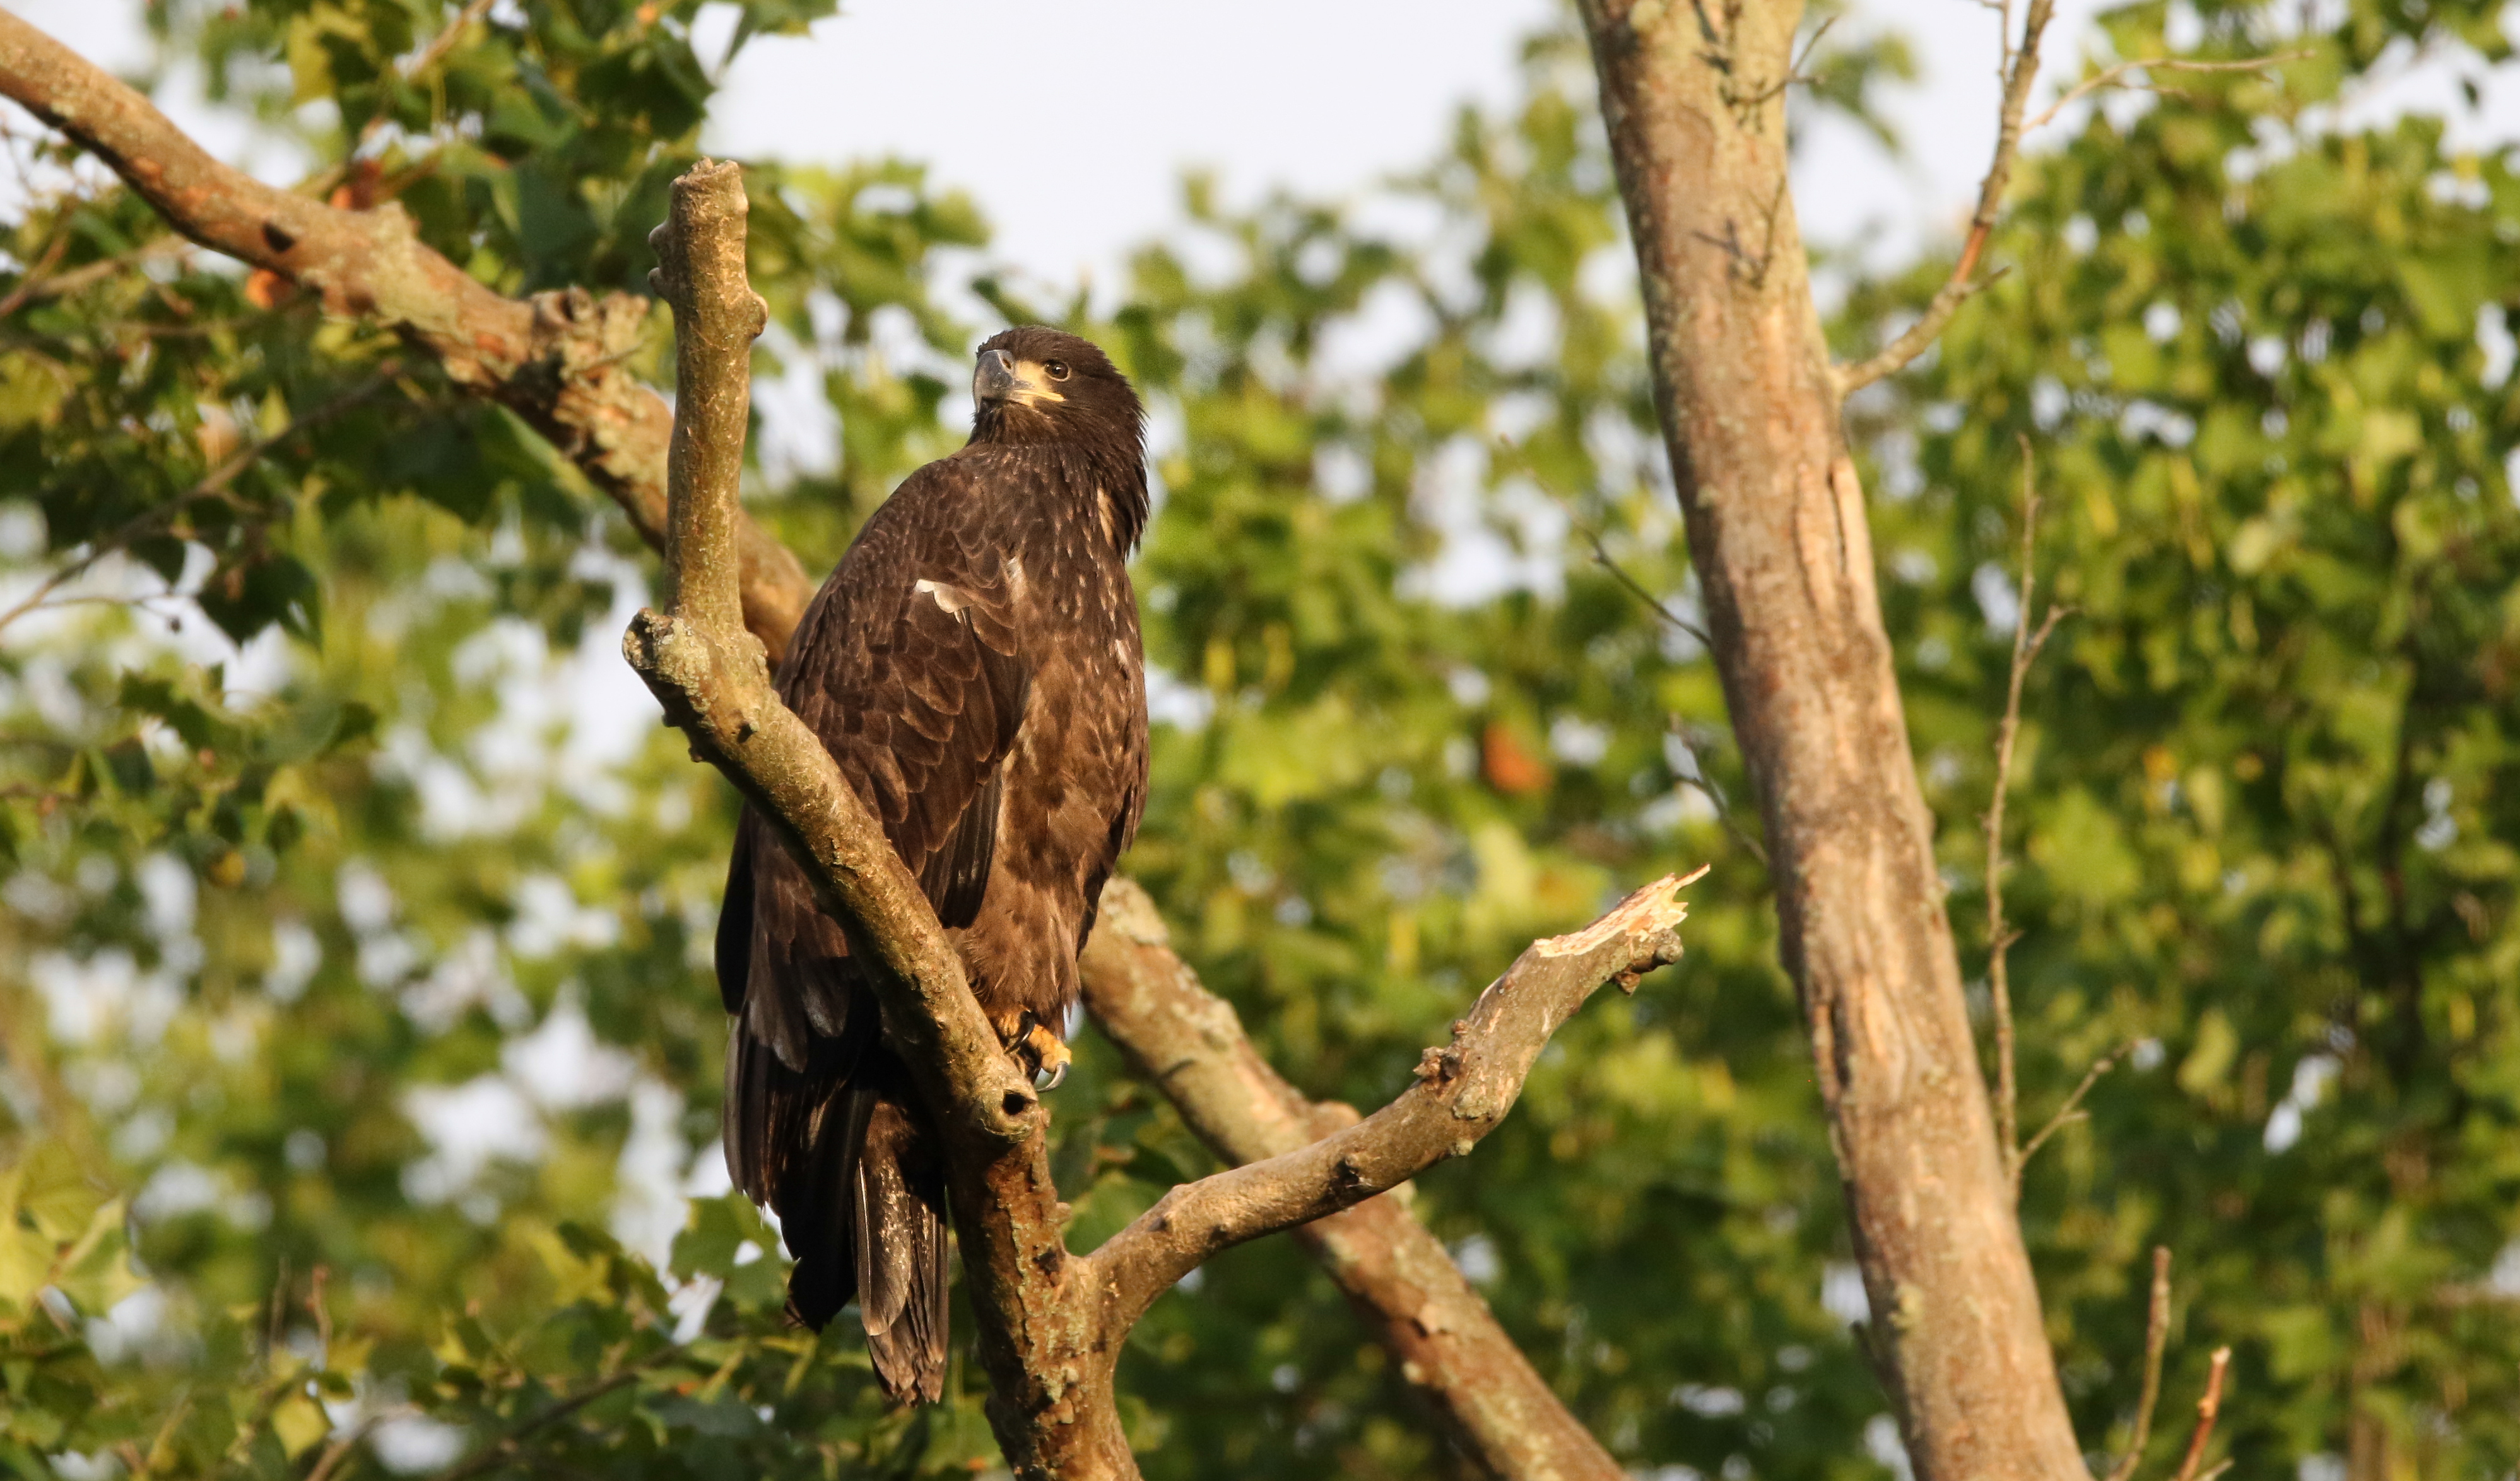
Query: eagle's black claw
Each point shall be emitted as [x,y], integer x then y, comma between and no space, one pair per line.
[1046,1052]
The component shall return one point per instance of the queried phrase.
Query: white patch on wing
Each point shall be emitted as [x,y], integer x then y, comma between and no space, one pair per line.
[1103,508]
[952,598]
[1015,575]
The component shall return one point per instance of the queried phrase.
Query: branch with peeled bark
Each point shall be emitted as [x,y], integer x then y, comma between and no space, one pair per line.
[1462,1090]
[553,359]
[1188,1043]
[1050,1324]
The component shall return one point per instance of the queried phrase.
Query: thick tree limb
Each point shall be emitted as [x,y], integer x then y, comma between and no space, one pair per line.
[1188,1043]
[1753,421]
[553,359]
[1052,1402]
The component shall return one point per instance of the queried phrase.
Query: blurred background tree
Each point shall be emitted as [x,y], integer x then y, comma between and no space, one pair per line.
[360,1093]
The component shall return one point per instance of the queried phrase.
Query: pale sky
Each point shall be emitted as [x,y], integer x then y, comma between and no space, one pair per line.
[1070,123]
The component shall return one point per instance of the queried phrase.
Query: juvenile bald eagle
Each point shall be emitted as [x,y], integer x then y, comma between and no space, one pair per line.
[974,667]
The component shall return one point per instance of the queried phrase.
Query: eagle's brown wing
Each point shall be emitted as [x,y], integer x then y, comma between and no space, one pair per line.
[909,668]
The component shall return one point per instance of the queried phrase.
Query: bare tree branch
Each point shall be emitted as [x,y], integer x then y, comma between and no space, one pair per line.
[1052,1402]
[1636,589]
[2114,75]
[553,359]
[1461,1091]
[2206,1409]
[2020,70]
[1999,937]
[2069,1113]
[1188,1043]
[2156,1341]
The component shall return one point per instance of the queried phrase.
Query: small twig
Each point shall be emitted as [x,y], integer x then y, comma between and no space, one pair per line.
[2068,1113]
[2206,1409]
[33,278]
[1724,814]
[1793,72]
[280,1288]
[1715,795]
[1636,589]
[350,1439]
[315,1306]
[1601,557]
[445,41]
[2000,936]
[2111,77]
[2021,70]
[61,285]
[498,1451]
[2156,1340]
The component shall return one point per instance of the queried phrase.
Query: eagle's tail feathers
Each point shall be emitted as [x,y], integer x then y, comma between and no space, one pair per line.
[899,1247]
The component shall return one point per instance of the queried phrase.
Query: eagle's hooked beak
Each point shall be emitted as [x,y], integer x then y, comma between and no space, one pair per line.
[1001,377]
[995,380]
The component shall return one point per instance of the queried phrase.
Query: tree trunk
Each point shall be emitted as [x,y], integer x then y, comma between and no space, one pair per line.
[1694,95]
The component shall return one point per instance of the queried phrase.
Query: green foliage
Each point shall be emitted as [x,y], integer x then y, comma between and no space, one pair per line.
[294,900]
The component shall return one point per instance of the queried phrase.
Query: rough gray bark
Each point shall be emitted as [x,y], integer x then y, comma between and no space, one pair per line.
[1694,98]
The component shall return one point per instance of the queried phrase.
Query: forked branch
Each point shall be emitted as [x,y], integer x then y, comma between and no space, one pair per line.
[1187,1042]
[1462,1090]
[712,680]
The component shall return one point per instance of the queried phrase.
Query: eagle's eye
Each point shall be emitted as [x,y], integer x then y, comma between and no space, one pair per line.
[1056,370]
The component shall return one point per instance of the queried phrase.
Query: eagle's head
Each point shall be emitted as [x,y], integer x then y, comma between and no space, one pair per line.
[1036,384]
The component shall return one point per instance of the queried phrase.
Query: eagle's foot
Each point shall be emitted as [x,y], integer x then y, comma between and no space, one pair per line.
[1044,1052]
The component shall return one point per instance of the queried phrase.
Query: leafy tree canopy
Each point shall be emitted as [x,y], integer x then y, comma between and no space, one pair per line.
[369,857]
